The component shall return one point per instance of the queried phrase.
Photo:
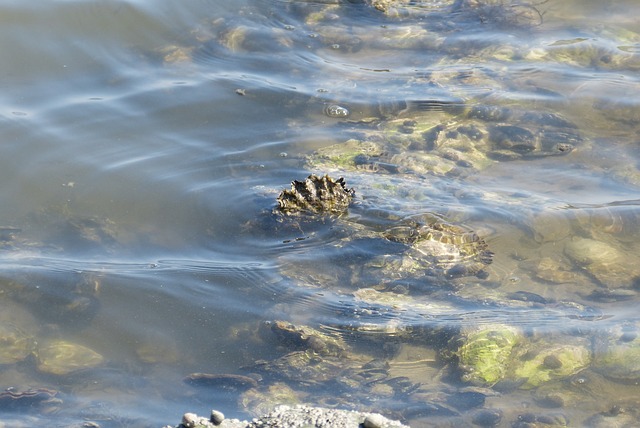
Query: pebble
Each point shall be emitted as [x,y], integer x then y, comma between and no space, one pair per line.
[487,418]
[189,420]
[373,421]
[217,417]
[552,362]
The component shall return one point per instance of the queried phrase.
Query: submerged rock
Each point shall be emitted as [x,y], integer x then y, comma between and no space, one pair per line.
[260,401]
[495,12]
[44,400]
[15,345]
[492,354]
[231,382]
[305,338]
[411,232]
[617,354]
[60,357]
[484,354]
[421,141]
[61,297]
[318,362]
[609,265]
[551,362]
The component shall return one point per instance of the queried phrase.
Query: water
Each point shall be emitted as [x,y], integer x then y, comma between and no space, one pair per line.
[144,143]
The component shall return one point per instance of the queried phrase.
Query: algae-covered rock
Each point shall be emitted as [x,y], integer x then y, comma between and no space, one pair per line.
[446,138]
[60,357]
[489,12]
[348,156]
[552,362]
[617,354]
[485,354]
[495,353]
[592,253]
[591,52]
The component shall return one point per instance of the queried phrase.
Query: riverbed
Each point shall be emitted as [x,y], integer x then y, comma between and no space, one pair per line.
[144,147]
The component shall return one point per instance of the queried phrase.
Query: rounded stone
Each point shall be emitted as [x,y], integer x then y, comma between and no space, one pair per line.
[487,417]
[217,417]
[336,111]
[587,252]
[552,362]
[61,358]
[189,420]
[373,421]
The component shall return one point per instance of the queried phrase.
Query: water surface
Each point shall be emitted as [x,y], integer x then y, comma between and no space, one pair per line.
[144,141]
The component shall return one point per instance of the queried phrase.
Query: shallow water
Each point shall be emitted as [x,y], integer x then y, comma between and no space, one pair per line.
[145,143]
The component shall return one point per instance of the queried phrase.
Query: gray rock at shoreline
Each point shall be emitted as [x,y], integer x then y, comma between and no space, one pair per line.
[297,417]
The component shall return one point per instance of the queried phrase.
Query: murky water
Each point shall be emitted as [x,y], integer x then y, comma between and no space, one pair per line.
[144,144]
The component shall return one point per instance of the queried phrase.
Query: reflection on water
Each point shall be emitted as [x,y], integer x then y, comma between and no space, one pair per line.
[145,144]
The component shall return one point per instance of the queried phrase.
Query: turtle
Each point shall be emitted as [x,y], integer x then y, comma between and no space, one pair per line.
[415,246]
[436,245]
[383,266]
[484,356]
